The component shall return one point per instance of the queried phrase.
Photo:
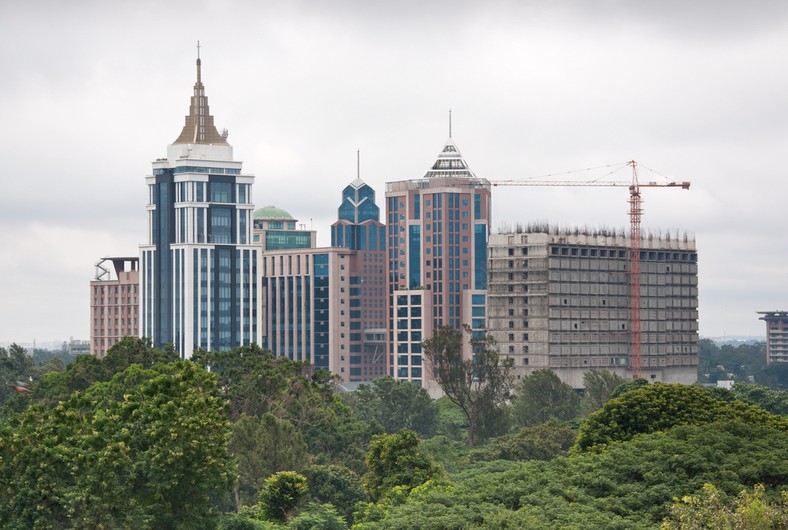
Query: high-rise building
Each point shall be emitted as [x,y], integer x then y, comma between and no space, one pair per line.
[199,276]
[561,300]
[114,307]
[359,229]
[776,336]
[438,228]
[327,306]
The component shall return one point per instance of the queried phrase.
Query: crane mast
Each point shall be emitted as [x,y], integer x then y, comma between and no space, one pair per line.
[635,214]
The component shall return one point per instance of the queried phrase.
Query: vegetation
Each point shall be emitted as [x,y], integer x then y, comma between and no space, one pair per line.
[747,511]
[658,407]
[744,363]
[542,395]
[480,385]
[244,440]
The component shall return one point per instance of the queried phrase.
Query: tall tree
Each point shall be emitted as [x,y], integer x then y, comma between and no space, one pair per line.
[396,460]
[599,386]
[543,395]
[477,385]
[395,405]
[262,446]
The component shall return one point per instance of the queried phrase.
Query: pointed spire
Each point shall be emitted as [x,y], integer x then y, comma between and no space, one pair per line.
[199,127]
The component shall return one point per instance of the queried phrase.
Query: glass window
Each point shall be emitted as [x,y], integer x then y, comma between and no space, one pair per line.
[221,192]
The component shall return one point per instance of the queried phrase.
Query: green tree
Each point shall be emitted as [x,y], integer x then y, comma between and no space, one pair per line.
[135,350]
[538,442]
[628,486]
[262,446]
[147,449]
[15,365]
[322,516]
[395,405]
[395,460]
[281,494]
[543,395]
[337,485]
[628,386]
[659,407]
[256,383]
[478,385]
[599,386]
[748,511]
[769,399]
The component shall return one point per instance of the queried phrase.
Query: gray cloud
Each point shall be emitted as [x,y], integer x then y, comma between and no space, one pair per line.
[93,91]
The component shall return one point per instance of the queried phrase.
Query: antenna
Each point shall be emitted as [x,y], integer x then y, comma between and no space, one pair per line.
[198,49]
[358,163]
[449,123]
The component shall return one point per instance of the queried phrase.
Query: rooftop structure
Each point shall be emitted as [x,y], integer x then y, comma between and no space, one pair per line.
[275,229]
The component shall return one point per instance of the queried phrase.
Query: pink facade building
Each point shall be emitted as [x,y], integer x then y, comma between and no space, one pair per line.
[114,303]
[438,228]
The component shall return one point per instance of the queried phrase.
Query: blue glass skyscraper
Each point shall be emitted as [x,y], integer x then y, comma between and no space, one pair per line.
[199,276]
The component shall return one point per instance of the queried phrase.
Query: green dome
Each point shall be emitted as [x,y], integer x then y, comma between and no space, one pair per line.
[271,212]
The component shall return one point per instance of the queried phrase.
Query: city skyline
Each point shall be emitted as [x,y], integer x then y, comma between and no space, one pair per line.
[691,91]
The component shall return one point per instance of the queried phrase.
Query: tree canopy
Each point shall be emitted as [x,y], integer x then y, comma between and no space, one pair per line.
[658,407]
[146,449]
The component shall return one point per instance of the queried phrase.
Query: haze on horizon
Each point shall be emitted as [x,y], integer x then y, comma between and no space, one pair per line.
[94,91]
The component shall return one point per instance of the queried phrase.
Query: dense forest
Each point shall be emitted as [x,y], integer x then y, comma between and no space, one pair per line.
[245,440]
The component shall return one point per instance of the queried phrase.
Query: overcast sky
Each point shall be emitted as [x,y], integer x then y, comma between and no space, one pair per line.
[92,92]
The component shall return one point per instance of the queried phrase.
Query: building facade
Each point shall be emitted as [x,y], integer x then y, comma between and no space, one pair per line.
[438,228]
[114,307]
[776,336]
[358,228]
[561,300]
[305,306]
[199,277]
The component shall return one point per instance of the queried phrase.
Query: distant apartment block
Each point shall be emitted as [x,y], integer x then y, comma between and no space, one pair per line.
[114,303]
[561,300]
[776,335]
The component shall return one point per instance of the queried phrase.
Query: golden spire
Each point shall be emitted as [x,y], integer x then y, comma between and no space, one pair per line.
[199,127]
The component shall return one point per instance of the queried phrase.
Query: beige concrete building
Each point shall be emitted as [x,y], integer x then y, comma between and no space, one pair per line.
[114,303]
[776,336]
[561,300]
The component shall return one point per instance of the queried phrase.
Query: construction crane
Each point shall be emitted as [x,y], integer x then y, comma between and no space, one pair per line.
[635,214]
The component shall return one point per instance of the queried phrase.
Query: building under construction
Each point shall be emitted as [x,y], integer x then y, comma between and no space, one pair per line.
[562,300]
